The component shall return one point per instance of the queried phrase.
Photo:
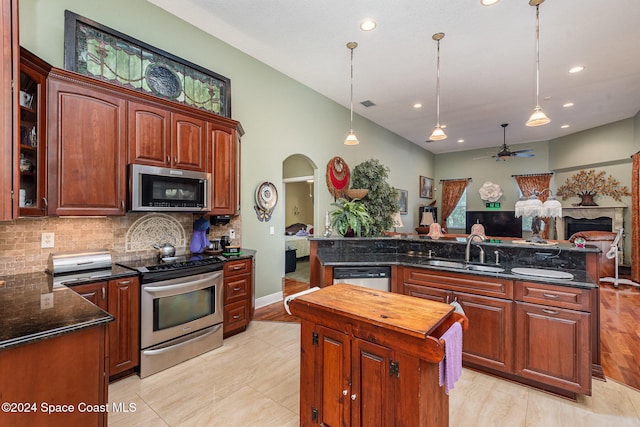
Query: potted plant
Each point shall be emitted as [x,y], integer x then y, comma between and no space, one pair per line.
[350,217]
[381,201]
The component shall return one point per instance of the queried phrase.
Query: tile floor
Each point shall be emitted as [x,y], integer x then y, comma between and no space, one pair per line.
[253,380]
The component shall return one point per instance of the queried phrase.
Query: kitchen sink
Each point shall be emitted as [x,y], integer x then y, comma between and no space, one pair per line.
[464,266]
[444,263]
[487,268]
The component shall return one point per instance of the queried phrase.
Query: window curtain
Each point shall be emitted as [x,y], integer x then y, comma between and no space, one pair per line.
[635,218]
[538,182]
[452,190]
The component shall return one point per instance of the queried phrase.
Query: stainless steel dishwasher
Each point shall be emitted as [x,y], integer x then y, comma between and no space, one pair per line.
[378,278]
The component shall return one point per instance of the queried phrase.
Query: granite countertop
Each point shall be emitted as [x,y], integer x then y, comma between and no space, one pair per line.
[32,309]
[580,279]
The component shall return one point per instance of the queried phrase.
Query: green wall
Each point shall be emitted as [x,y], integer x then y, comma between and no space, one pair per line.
[280,116]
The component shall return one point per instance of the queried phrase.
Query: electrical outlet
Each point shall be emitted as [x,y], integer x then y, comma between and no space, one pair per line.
[47,240]
[46,301]
[232,234]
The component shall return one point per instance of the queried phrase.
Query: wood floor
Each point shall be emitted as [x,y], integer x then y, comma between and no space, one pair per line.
[619,329]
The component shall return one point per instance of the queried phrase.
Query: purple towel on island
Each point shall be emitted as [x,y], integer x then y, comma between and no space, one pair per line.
[451,365]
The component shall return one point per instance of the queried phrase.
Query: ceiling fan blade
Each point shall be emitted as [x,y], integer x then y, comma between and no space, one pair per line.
[523,151]
[522,154]
[483,157]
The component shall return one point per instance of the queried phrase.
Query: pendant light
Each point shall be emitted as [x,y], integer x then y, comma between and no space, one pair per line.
[438,134]
[351,137]
[538,118]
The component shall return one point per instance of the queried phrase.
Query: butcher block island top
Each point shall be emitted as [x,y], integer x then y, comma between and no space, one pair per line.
[371,357]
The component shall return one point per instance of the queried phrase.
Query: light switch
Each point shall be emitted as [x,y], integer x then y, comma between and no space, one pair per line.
[272,230]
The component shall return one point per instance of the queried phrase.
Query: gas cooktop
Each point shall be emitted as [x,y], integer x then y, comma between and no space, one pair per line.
[185,264]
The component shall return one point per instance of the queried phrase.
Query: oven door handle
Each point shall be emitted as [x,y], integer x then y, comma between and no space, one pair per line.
[196,336]
[169,290]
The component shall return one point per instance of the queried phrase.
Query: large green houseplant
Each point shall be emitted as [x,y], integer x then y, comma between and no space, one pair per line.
[381,200]
[350,217]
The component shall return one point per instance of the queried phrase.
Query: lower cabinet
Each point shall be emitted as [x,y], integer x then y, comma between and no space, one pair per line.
[238,295]
[489,340]
[54,373]
[536,333]
[120,298]
[353,381]
[124,332]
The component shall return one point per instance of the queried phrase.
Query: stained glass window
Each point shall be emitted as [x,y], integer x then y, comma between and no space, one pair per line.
[105,54]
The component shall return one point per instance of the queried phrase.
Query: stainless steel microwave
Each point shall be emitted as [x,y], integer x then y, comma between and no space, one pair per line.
[170,190]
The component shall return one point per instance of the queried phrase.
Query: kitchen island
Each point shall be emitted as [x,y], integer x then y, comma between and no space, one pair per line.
[371,358]
[539,331]
[53,368]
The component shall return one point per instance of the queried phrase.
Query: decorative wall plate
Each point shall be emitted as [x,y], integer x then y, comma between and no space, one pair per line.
[266,199]
[338,176]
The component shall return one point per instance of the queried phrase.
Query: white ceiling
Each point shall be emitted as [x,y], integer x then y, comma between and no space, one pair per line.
[487,60]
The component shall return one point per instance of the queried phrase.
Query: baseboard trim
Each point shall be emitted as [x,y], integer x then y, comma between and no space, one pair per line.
[269,299]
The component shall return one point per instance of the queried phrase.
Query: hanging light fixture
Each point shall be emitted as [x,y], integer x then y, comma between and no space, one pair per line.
[351,137]
[538,118]
[438,134]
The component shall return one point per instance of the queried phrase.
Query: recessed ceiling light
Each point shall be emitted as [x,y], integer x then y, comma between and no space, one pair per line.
[567,104]
[576,69]
[488,2]
[368,25]
[417,105]
[564,126]
[460,141]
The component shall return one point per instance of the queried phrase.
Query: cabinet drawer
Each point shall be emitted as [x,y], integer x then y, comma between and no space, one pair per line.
[235,316]
[489,286]
[241,266]
[553,295]
[433,294]
[236,288]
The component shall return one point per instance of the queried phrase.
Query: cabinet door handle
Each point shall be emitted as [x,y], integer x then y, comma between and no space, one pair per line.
[125,282]
[122,204]
[345,392]
[236,289]
[553,296]
[45,203]
[168,160]
[546,310]
[175,160]
[353,396]
[237,316]
[103,293]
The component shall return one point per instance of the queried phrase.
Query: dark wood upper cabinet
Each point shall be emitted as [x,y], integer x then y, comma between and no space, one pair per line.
[31,141]
[149,134]
[8,101]
[188,142]
[86,147]
[159,136]
[224,165]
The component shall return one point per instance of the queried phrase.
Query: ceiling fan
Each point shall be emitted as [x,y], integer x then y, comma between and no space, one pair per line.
[505,153]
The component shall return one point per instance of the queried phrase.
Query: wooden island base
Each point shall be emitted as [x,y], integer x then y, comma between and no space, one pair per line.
[371,358]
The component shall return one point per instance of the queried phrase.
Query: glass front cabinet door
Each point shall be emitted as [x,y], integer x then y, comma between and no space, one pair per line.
[31,167]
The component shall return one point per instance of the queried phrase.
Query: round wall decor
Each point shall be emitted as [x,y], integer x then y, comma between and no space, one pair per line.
[266,199]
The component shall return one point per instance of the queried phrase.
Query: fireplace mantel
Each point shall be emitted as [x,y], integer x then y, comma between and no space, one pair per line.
[616,213]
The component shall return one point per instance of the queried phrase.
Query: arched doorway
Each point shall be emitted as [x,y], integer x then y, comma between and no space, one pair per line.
[299,175]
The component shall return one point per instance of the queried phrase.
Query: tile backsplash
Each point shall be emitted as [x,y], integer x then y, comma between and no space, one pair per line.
[20,239]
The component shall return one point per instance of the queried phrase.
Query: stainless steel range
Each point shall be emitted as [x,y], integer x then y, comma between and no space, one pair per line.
[181,310]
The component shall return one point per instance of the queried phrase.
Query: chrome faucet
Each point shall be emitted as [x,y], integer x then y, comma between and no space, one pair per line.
[467,251]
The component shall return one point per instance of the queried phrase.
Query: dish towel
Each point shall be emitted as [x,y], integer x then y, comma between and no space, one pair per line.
[451,365]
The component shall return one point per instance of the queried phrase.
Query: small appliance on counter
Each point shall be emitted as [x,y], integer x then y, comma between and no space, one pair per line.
[67,267]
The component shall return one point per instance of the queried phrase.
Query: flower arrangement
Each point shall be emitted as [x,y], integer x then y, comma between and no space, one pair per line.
[586,184]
